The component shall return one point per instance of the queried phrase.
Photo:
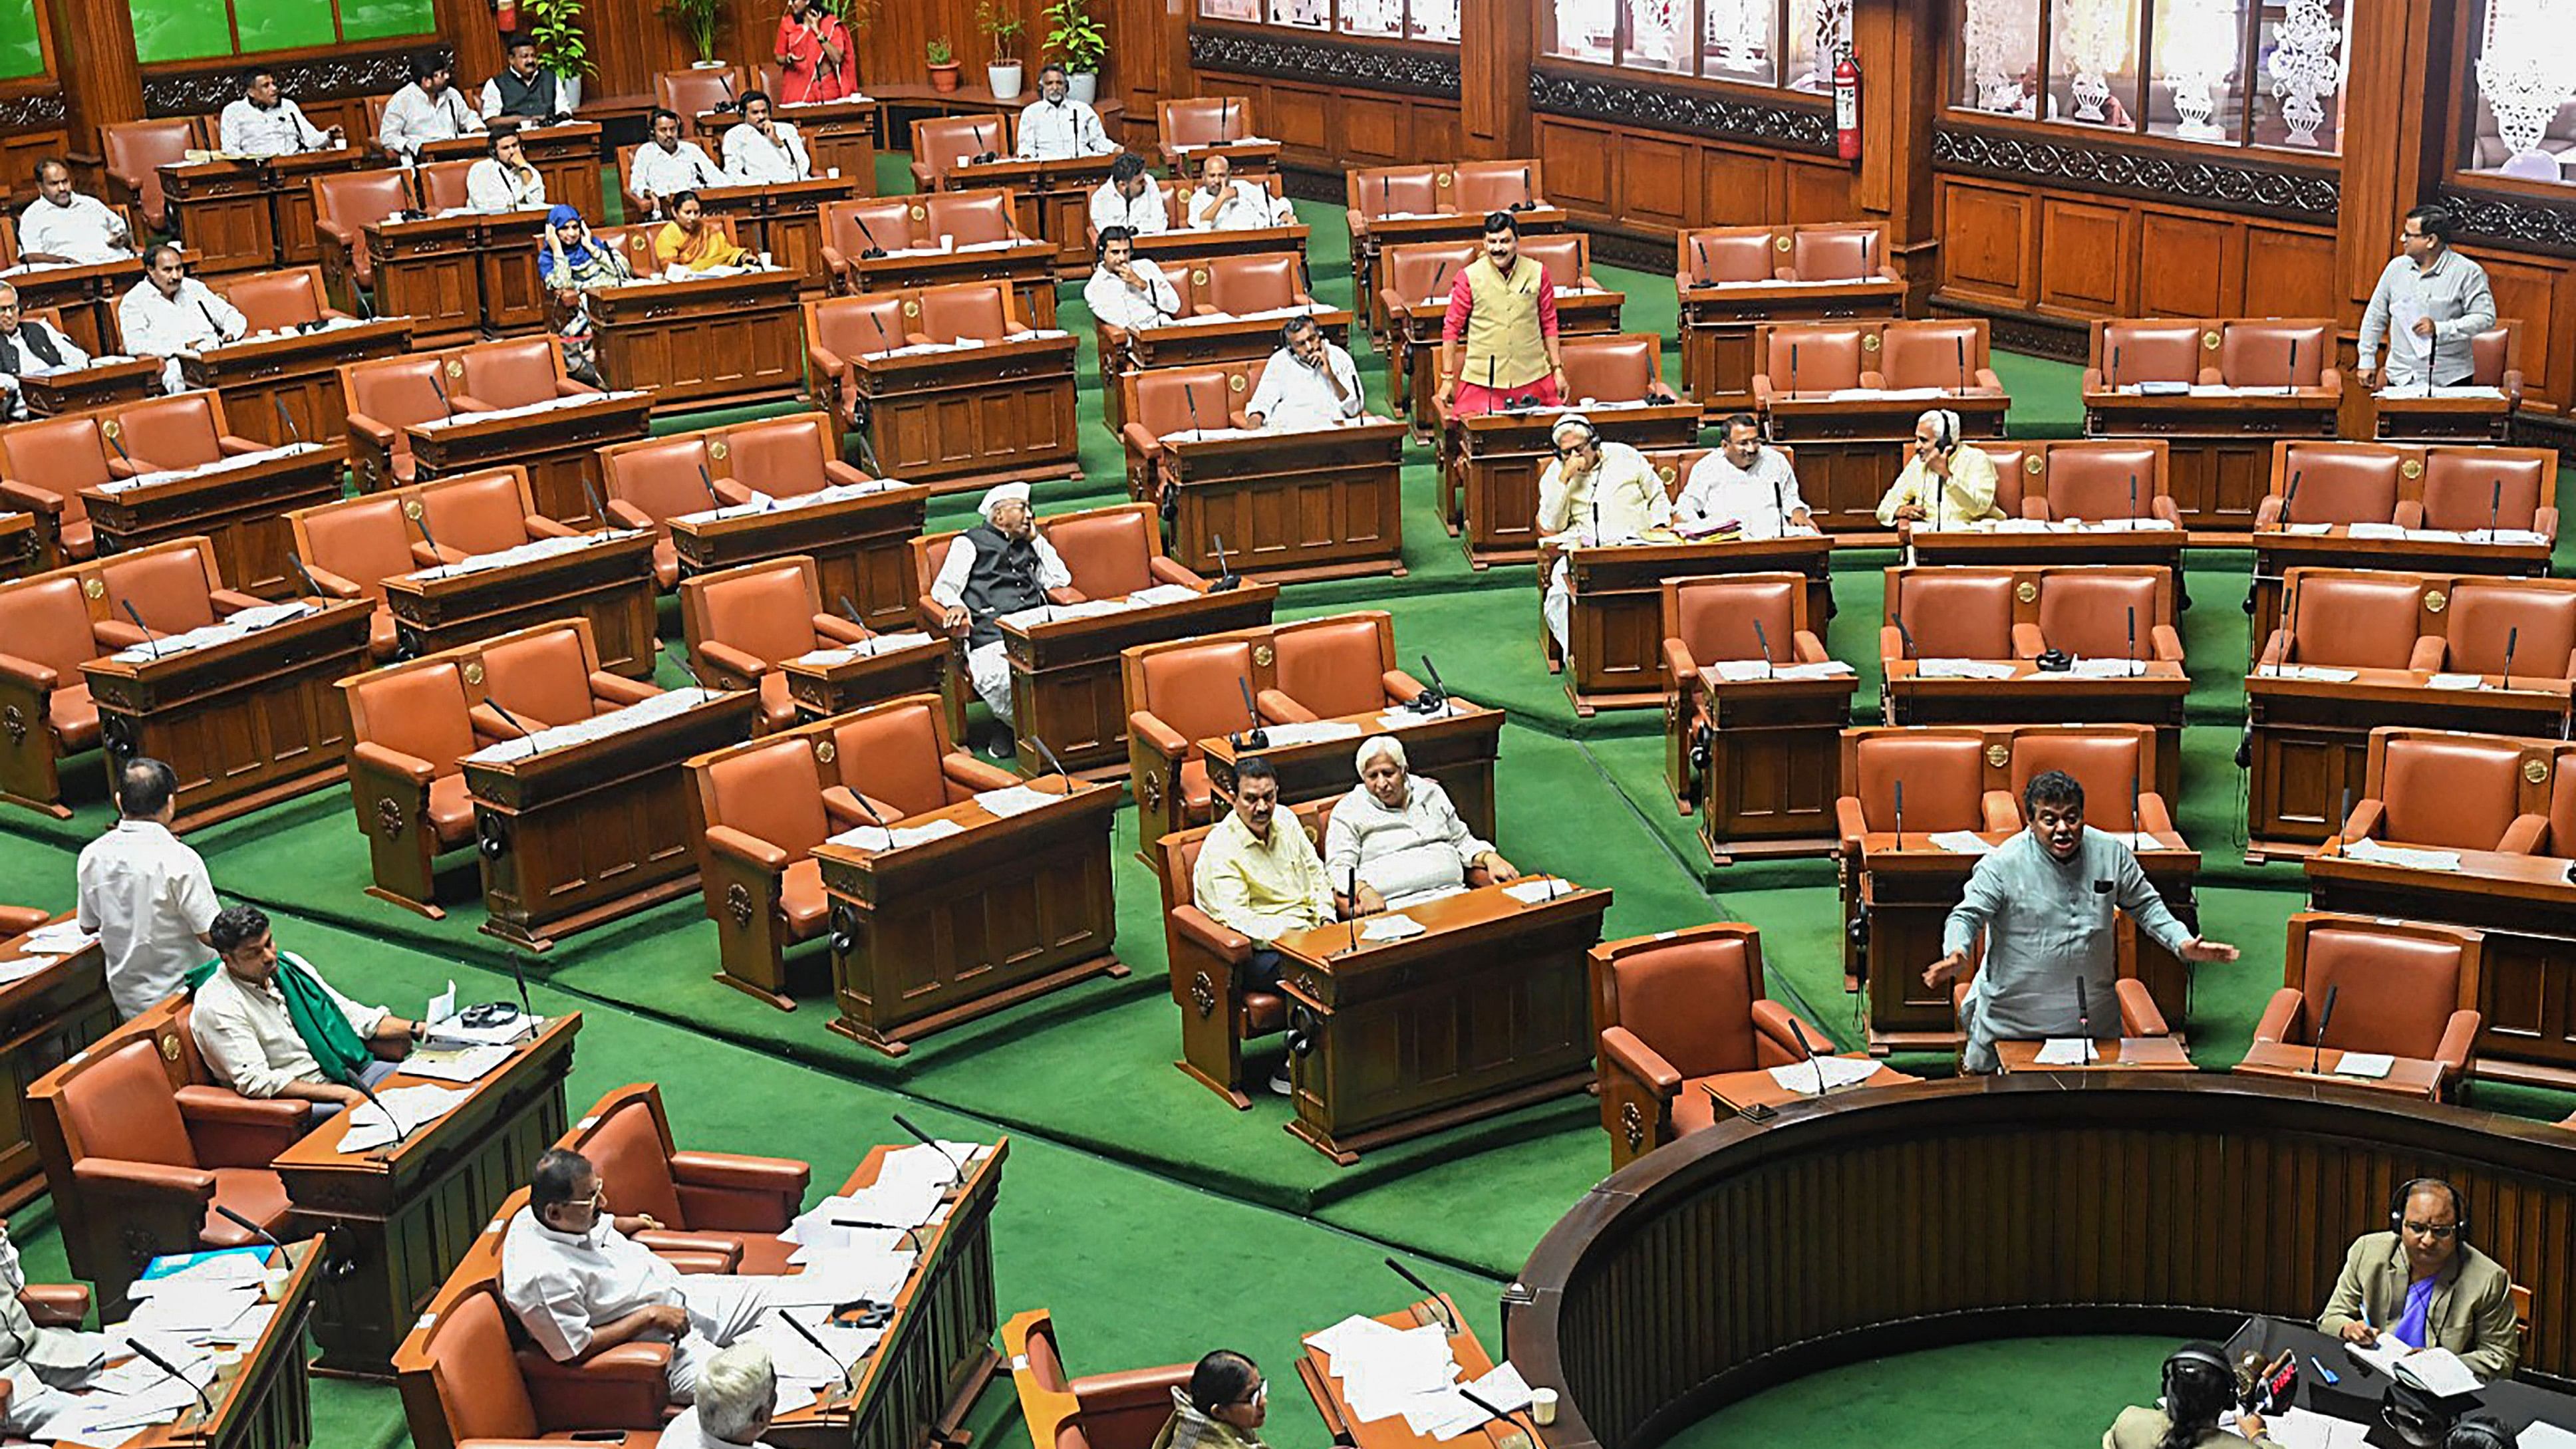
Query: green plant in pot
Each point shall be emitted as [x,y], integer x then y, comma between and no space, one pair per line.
[943,64]
[1078,40]
[699,19]
[562,47]
[1005,25]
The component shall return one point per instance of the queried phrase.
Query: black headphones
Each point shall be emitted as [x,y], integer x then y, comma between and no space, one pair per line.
[2478,1431]
[2207,1358]
[2459,1205]
[1591,434]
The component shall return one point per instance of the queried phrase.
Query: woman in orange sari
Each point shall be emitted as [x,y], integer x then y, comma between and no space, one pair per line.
[689,242]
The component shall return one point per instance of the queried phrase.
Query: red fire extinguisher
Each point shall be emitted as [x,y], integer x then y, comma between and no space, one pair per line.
[505,15]
[1847,108]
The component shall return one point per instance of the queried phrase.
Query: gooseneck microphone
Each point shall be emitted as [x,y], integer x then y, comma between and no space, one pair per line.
[149,638]
[1254,737]
[956,1172]
[206,1406]
[247,1226]
[358,1080]
[1762,637]
[1799,1030]
[808,1335]
[2083,1020]
[2325,1016]
[1439,1309]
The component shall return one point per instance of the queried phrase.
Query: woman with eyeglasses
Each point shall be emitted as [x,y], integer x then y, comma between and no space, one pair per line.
[1221,1409]
[2425,1287]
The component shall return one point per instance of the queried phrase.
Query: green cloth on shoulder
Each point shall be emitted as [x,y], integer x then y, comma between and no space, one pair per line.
[336,1046]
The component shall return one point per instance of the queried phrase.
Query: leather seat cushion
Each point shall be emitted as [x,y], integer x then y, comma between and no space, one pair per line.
[80,540]
[1196,792]
[1264,1012]
[801,899]
[1693,1109]
[451,811]
[73,716]
[256,1193]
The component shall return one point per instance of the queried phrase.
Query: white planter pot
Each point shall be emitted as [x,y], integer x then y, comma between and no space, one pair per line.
[1005,80]
[568,93]
[709,64]
[1084,86]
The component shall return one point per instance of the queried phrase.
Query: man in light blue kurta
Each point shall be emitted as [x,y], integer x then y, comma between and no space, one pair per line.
[2046,900]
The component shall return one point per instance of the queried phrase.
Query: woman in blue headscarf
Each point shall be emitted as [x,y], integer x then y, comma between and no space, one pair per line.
[573,263]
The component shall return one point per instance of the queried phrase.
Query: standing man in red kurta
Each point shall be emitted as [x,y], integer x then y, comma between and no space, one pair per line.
[1504,309]
[814,62]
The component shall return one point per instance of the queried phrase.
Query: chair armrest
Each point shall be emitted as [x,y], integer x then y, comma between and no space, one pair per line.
[2166,641]
[1065,597]
[1141,440]
[1987,381]
[930,611]
[1848,824]
[233,447]
[29,498]
[827,362]
[465,402]
[731,660]
[2267,514]
[55,1305]
[2524,836]
[1806,648]
[1201,930]
[2367,819]
[1891,642]
[1131,1390]
[834,259]
[232,601]
[116,633]
[489,724]
[543,527]
[625,1387]
[2544,521]
[566,387]
[1873,379]
[1621,1048]
[2028,642]
[2163,506]
[838,474]
[1999,810]
[839,630]
[28,673]
[1170,571]
[666,1243]
[2459,1038]
[729,1192]
[2429,653]
[143,1179]
[1165,740]
[2330,381]
[1278,708]
[230,1130]
[732,492]
[19,920]
[383,435]
[2410,513]
[1771,1024]
[2279,1014]
[387,761]
[2276,650]
[964,769]
[749,849]
[2153,816]
[332,584]
[617,689]
[627,515]
[1399,685]
[2138,1013]
[1680,669]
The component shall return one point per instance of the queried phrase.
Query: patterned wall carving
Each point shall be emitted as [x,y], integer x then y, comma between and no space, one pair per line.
[1623,102]
[1325,62]
[42,110]
[322,78]
[2198,181]
[2514,221]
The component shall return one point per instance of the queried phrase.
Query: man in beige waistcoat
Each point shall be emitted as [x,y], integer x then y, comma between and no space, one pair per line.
[1503,308]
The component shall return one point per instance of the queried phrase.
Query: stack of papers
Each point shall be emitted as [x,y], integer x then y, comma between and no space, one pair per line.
[1394,927]
[2308,673]
[1962,669]
[2374,530]
[867,648]
[2372,1066]
[763,503]
[1387,1371]
[2456,681]
[412,1108]
[529,552]
[832,1277]
[2068,1051]
[879,839]
[466,1064]
[2481,535]
[2306,1429]
[240,625]
[232,464]
[2108,668]
[2126,525]
[2404,857]
[1863,394]
[1801,1077]
[1961,842]
[1013,800]
[1737,671]
[801,1370]
[57,938]
[1539,888]
[598,727]
[1397,719]
[524,410]
[2308,530]
[1319,732]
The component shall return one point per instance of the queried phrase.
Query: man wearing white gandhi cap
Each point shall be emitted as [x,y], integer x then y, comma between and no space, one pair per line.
[999,566]
[1596,492]
[1396,839]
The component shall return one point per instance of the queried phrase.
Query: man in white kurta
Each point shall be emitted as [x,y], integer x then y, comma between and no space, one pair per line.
[62,226]
[1745,485]
[1127,291]
[2046,901]
[1131,198]
[1307,384]
[170,312]
[426,110]
[666,165]
[29,347]
[1001,566]
[1056,127]
[44,1367]
[1221,203]
[762,149]
[503,180]
[579,1284]
[262,122]
[145,893]
[1395,839]
[1596,492]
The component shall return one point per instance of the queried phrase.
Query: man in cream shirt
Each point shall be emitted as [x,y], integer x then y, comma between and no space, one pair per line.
[762,149]
[1596,492]
[666,165]
[252,1041]
[62,226]
[170,312]
[146,895]
[1307,384]
[1395,839]
[1744,483]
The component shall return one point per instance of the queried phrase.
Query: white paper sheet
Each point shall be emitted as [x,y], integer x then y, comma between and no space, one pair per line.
[1960,842]
[1800,1077]
[2371,1065]
[1013,800]
[2402,856]
[1397,927]
[1539,888]
[2068,1051]
[2438,1371]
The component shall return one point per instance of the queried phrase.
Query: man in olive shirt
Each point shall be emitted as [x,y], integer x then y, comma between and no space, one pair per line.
[2424,1287]
[1260,876]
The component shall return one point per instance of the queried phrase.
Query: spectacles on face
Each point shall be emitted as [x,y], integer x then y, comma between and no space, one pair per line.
[2437,1231]
[1259,1396]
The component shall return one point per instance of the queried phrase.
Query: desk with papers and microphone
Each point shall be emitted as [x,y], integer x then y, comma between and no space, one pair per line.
[53,1002]
[906,243]
[256,1302]
[82,294]
[605,577]
[956,414]
[1847,396]
[1615,593]
[1065,685]
[1402,1380]
[1289,505]
[238,501]
[856,536]
[719,338]
[104,383]
[243,213]
[2104,1054]
[283,386]
[2220,392]
[1492,462]
[1457,746]
[557,441]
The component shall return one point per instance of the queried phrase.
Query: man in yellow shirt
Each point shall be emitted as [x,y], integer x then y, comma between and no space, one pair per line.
[1949,482]
[1261,876]
[1503,309]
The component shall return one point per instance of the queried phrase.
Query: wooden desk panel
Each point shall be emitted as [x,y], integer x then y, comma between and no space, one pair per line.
[99,386]
[296,372]
[221,211]
[960,927]
[400,1218]
[2110,1054]
[858,546]
[242,510]
[559,447]
[960,420]
[1065,685]
[2395,416]
[44,1018]
[243,724]
[1774,766]
[2057,544]
[84,295]
[27,544]
[702,343]
[432,272]
[1291,507]
[1028,268]
[609,583]
[568,157]
[1717,324]
[1738,1091]
[823,690]
[2408,1077]
[1617,614]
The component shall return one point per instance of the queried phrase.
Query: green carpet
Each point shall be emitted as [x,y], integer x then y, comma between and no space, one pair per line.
[1124,1172]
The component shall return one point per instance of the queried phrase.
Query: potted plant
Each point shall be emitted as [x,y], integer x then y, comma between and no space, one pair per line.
[943,65]
[555,25]
[1080,43]
[1004,24]
[699,18]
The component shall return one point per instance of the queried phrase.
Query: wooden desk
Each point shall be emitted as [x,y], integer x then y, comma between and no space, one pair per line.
[432,272]
[1906,886]
[2110,1054]
[2152,695]
[1323,503]
[1182,245]
[290,201]
[2277,551]
[582,834]
[244,723]
[2409,1077]
[607,580]
[223,208]
[2219,446]
[240,504]
[557,442]
[26,547]
[567,155]
[956,419]
[1065,686]
[1492,463]
[401,1217]
[1773,770]
[1739,1091]
[1027,267]
[1718,322]
[953,929]
[2526,906]
[1484,1012]
[44,1017]
[783,219]
[2311,740]
[1850,448]
[1347,1428]
[822,688]
[295,371]
[83,294]
[1054,201]
[2412,415]
[1457,747]
[857,542]
[701,342]
[100,385]
[2028,544]
[1617,615]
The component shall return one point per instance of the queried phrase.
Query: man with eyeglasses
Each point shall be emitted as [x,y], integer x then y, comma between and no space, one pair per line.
[2429,302]
[29,347]
[581,1286]
[1596,492]
[2420,1285]
[1222,1408]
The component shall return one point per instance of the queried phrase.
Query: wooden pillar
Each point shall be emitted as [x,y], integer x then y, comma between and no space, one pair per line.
[470,31]
[2392,127]
[102,81]
[1897,45]
[1494,78]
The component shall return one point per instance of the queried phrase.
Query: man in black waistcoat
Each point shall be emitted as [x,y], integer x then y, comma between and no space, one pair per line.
[999,566]
[523,89]
[28,346]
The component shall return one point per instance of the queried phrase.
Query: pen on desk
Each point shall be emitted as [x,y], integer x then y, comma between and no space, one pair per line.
[2324,1374]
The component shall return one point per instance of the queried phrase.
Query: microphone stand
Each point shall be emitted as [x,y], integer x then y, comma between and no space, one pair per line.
[956,1172]
[2317,1048]
[1439,1307]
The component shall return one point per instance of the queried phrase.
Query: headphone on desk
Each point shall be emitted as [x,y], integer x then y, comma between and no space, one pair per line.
[2459,1205]
[2479,1431]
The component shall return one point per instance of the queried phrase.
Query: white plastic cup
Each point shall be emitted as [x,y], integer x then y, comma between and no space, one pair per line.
[1543,1406]
[764,259]
[947,243]
[832,173]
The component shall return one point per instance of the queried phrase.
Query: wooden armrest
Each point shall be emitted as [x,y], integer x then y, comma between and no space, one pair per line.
[143,1179]
[1141,440]
[113,634]
[1891,643]
[2525,835]
[28,674]
[222,1106]
[1771,1022]
[1170,571]
[232,447]
[1809,649]
[2027,641]
[2167,643]
[55,1305]
[332,584]
[2365,822]
[232,601]
[1223,942]
[2459,1038]
[961,768]
[1848,823]
[2267,514]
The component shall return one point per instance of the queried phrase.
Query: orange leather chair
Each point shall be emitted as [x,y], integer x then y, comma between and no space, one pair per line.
[470,1380]
[186,431]
[135,152]
[2337,483]
[637,242]
[1483,186]
[851,228]
[2490,616]
[1157,402]
[45,464]
[1944,779]
[1724,256]
[548,675]
[2491,359]
[1707,620]
[174,586]
[1614,367]
[350,548]
[1799,358]
[2407,988]
[940,144]
[788,457]
[1674,1009]
[654,481]
[694,93]
[2273,352]
[1124,1410]
[1408,276]
[44,698]
[2103,612]
[1218,1012]
[2460,489]
[1389,190]
[345,203]
[140,1147]
[967,217]
[1196,121]
[1951,613]
[383,398]
[2114,763]
[442,185]
[1236,285]
[1112,552]
[513,374]
[984,311]
[2092,479]
[477,513]
[2350,620]
[1836,254]
[1945,353]
[840,328]
[898,756]
[2446,792]
[761,811]
[1175,699]
[1566,257]
[1337,665]
[274,301]
[410,726]
[709,1203]
[742,623]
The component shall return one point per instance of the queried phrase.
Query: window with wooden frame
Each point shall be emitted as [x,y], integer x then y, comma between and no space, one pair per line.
[1789,44]
[2516,118]
[1435,21]
[182,30]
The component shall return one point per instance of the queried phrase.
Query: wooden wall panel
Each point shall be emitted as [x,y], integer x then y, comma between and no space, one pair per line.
[1814,192]
[1432,128]
[1654,181]
[2290,273]
[1372,130]
[1990,242]
[1296,117]
[1581,164]
[2541,294]
[2189,266]
[1737,188]
[2087,257]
